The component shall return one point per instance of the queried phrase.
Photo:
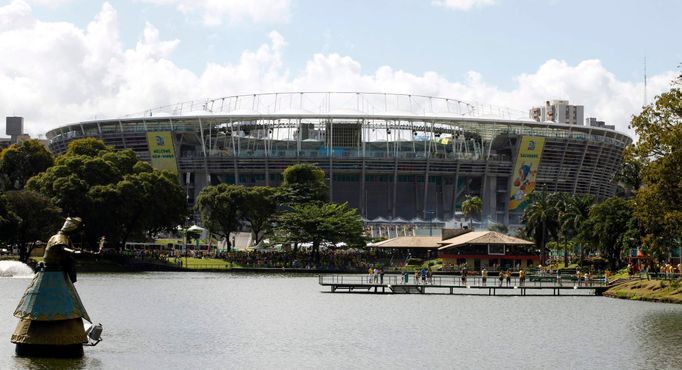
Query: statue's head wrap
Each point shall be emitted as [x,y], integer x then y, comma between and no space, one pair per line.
[71,224]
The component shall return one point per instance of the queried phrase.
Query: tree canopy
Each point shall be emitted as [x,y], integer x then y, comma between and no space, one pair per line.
[223,207]
[8,219]
[21,161]
[258,205]
[304,183]
[658,202]
[541,219]
[219,208]
[117,195]
[37,219]
[472,207]
[607,224]
[322,222]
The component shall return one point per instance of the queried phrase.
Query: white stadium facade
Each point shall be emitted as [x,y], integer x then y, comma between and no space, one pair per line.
[391,156]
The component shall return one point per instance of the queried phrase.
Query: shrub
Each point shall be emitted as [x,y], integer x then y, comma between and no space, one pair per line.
[414,261]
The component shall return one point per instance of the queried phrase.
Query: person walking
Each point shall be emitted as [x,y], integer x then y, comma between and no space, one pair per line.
[508,277]
[500,276]
[484,276]
[465,272]
[381,275]
[429,275]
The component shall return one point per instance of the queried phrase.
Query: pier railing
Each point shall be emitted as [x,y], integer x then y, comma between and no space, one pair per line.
[536,281]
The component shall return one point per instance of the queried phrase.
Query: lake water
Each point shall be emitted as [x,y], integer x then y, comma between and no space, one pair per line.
[240,321]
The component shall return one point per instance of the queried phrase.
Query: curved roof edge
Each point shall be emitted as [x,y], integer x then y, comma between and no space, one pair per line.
[347,115]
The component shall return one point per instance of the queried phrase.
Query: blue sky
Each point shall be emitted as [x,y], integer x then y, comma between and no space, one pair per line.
[482,52]
[500,41]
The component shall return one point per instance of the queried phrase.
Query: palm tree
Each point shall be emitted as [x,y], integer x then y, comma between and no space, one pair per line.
[574,212]
[471,207]
[541,220]
[563,204]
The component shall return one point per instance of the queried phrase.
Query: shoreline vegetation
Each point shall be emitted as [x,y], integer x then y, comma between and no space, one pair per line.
[664,291]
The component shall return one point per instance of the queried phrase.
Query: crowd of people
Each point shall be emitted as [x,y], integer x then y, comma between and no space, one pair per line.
[664,269]
[329,259]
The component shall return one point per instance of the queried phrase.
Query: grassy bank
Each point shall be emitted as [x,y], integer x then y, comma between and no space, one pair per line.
[648,290]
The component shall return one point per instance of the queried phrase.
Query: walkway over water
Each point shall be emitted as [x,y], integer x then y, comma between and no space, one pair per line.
[454,284]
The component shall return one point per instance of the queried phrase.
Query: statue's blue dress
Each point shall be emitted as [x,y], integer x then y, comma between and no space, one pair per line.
[50,310]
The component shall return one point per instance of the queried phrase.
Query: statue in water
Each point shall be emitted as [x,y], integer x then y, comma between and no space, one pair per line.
[50,310]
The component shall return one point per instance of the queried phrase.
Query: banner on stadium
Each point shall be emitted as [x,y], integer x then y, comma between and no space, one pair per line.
[162,151]
[525,171]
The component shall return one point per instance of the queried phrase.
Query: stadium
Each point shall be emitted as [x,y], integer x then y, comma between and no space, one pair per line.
[394,157]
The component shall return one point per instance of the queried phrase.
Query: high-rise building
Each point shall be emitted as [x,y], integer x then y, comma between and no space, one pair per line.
[558,111]
[14,127]
[593,122]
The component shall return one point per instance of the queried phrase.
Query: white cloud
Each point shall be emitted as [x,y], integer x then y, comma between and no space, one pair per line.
[463,5]
[214,12]
[54,73]
[49,3]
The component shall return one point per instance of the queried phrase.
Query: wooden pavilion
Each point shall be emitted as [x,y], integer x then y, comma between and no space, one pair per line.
[488,249]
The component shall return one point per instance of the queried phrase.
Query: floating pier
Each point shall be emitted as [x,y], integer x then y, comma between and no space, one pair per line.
[444,284]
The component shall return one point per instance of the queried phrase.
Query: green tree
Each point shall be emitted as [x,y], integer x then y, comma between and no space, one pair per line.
[89,147]
[573,212]
[322,222]
[472,207]
[116,194]
[607,223]
[658,202]
[541,219]
[303,183]
[38,219]
[8,220]
[153,202]
[629,175]
[218,206]
[21,161]
[257,206]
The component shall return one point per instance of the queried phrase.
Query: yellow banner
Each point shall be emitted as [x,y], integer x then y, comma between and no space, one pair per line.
[525,171]
[162,151]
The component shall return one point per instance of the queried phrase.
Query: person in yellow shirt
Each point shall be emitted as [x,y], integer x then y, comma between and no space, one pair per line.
[522,277]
